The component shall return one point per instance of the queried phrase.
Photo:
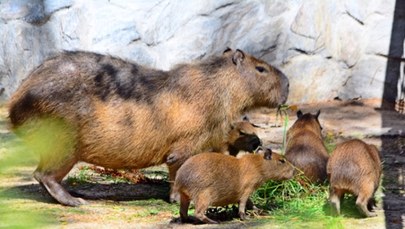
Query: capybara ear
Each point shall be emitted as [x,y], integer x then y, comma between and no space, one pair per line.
[318,113]
[238,57]
[267,154]
[227,50]
[299,114]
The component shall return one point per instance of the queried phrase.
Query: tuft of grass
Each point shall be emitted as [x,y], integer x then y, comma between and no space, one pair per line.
[296,202]
[83,176]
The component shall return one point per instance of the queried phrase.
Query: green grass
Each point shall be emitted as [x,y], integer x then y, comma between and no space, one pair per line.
[86,174]
[294,204]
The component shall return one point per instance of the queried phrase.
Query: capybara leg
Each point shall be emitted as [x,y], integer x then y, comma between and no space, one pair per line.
[50,178]
[250,206]
[361,203]
[176,159]
[201,205]
[242,207]
[184,204]
[174,196]
[334,200]
[371,204]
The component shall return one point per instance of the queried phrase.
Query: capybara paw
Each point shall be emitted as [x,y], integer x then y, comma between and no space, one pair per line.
[371,214]
[74,202]
[210,221]
[242,216]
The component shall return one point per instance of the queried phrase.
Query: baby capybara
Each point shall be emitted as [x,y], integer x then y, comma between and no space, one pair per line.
[242,137]
[354,167]
[305,148]
[214,179]
[119,114]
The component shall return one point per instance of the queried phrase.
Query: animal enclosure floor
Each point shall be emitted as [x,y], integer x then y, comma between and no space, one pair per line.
[120,205]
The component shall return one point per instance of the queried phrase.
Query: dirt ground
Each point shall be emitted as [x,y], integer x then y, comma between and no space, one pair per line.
[144,205]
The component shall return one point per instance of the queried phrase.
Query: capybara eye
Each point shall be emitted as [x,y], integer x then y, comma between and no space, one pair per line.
[260,69]
[282,160]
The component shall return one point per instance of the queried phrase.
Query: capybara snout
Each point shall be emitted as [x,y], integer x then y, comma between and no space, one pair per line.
[354,167]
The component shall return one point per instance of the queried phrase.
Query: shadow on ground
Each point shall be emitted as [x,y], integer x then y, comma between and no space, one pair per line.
[94,191]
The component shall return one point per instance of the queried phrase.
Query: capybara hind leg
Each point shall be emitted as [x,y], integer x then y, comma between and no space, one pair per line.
[174,196]
[50,178]
[174,161]
[361,203]
[201,206]
[371,204]
[184,204]
[334,199]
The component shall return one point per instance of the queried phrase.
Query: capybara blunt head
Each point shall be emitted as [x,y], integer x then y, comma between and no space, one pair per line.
[305,147]
[308,122]
[354,167]
[262,79]
[243,137]
[275,166]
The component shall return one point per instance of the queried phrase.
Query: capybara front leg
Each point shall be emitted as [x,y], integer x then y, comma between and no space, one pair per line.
[242,206]
[50,178]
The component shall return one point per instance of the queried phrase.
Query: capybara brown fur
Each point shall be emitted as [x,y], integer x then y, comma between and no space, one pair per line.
[242,137]
[354,167]
[215,179]
[305,148]
[124,115]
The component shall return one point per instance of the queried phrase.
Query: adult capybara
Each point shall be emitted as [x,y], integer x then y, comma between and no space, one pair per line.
[354,167]
[214,179]
[305,148]
[119,114]
[242,136]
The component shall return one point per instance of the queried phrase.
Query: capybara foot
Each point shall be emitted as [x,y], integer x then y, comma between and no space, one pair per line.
[203,218]
[242,216]
[363,209]
[56,190]
[191,220]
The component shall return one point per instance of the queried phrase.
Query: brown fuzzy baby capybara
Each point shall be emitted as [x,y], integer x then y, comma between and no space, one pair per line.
[242,137]
[119,114]
[215,179]
[305,148]
[354,167]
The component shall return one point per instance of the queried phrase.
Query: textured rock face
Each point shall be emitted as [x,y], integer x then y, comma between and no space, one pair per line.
[326,48]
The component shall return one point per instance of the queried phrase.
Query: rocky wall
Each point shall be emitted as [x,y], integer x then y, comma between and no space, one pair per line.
[328,49]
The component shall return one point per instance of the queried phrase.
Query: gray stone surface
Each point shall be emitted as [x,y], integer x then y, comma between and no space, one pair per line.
[326,48]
